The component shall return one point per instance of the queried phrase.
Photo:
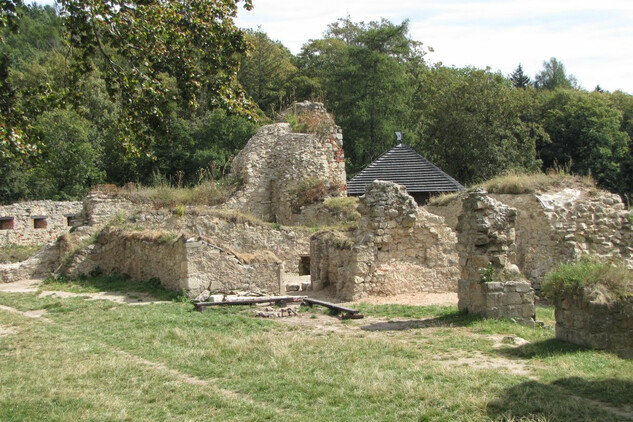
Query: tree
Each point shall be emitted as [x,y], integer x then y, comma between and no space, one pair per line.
[137,44]
[520,79]
[586,134]
[267,71]
[362,72]
[553,76]
[473,124]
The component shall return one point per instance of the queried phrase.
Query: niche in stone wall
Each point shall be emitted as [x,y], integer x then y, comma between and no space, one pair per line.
[304,265]
[40,222]
[6,223]
[70,219]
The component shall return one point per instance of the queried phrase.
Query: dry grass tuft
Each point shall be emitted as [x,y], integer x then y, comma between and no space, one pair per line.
[208,192]
[515,183]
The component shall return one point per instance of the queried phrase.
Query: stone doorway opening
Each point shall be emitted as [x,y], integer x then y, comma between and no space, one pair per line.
[304,265]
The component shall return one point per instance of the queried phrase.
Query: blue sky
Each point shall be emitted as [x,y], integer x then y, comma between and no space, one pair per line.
[593,39]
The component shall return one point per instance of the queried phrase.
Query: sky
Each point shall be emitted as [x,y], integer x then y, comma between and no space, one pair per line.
[593,39]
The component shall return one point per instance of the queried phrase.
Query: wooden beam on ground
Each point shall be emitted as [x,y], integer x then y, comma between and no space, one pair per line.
[349,312]
[201,306]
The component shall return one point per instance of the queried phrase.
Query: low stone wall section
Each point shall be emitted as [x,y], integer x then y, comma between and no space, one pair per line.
[191,264]
[40,265]
[36,222]
[230,229]
[596,324]
[398,248]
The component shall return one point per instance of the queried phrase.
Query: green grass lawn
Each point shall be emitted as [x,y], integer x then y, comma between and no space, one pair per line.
[102,361]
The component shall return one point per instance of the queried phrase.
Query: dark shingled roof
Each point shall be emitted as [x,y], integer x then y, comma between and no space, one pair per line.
[404,166]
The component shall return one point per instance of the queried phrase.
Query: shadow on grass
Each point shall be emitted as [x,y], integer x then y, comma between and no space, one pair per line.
[456,319]
[540,349]
[566,399]
[112,283]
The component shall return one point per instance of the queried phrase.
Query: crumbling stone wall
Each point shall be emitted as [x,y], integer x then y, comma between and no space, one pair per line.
[560,227]
[36,222]
[397,248]
[277,161]
[43,263]
[192,264]
[490,282]
[234,231]
[590,321]
[99,208]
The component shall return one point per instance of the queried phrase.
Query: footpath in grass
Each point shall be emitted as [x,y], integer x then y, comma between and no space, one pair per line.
[100,360]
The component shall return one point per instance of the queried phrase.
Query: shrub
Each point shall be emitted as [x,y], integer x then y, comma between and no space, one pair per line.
[344,206]
[615,282]
[309,191]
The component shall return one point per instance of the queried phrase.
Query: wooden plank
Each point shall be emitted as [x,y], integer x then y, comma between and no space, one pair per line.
[332,306]
[200,306]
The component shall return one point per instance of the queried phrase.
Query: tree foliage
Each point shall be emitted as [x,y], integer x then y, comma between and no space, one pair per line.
[554,76]
[473,124]
[519,78]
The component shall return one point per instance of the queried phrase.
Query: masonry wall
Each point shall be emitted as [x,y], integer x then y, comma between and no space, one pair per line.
[597,324]
[276,161]
[560,227]
[190,264]
[231,230]
[398,248]
[490,282]
[36,222]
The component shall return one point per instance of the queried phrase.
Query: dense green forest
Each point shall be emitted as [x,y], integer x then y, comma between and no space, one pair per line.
[77,112]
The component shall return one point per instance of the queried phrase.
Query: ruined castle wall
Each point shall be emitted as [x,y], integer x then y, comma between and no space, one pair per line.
[276,161]
[397,248]
[596,324]
[490,282]
[99,208]
[36,222]
[190,264]
[230,230]
[560,227]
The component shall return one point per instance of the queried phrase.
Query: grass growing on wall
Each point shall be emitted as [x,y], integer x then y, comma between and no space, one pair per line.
[613,281]
[17,253]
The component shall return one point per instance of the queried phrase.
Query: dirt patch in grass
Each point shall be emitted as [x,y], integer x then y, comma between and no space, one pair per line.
[130,298]
[36,314]
[7,331]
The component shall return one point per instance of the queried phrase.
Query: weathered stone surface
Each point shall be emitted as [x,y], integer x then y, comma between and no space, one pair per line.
[486,245]
[397,248]
[276,161]
[19,226]
[588,321]
[194,265]
[560,227]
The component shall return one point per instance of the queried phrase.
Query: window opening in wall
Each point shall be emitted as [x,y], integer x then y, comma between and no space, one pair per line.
[70,219]
[304,265]
[40,222]
[6,223]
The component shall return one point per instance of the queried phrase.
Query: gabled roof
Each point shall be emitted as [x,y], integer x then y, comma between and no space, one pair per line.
[404,166]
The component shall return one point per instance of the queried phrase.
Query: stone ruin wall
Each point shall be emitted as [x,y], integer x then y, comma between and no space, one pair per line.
[277,160]
[397,248]
[192,264]
[36,222]
[490,283]
[242,236]
[561,227]
[589,321]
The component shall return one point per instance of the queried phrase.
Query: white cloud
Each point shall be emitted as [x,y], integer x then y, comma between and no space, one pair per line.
[593,39]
